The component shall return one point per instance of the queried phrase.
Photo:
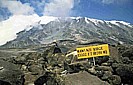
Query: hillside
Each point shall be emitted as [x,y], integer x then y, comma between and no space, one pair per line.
[74,28]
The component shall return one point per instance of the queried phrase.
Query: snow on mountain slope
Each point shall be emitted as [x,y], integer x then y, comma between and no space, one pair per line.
[17,23]
[73,28]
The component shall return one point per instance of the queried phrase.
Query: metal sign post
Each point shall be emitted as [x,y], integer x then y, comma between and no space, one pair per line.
[94,61]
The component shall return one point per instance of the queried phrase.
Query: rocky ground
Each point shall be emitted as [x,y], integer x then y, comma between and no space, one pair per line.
[49,65]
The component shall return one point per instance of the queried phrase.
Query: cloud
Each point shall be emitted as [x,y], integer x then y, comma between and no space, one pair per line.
[23,14]
[17,23]
[61,8]
[38,6]
[16,7]
[13,25]
[114,1]
[4,14]
[108,1]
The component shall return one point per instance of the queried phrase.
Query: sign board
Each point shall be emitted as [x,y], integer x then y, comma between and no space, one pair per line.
[93,51]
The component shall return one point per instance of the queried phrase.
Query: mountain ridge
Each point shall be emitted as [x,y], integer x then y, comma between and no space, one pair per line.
[74,28]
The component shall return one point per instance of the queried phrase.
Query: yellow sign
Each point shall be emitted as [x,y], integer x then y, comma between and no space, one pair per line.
[93,51]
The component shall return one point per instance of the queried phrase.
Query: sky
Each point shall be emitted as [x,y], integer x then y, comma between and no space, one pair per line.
[121,10]
[15,15]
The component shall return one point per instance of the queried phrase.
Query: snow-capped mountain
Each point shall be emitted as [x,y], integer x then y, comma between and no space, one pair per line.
[74,28]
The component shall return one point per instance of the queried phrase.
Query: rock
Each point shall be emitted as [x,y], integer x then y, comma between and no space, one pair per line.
[92,70]
[44,79]
[126,60]
[41,60]
[115,80]
[106,75]
[111,61]
[11,59]
[23,67]
[104,68]
[21,59]
[52,67]
[100,73]
[105,64]
[125,71]
[4,83]
[29,78]
[128,53]
[56,59]
[122,48]
[77,66]
[57,50]
[114,53]
[101,59]
[35,69]
[115,65]
[72,64]
[82,78]
[10,73]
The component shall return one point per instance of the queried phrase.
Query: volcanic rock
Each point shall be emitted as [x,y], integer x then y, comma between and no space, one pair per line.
[10,74]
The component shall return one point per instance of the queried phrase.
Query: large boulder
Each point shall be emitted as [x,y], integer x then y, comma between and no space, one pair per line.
[125,71]
[4,83]
[128,53]
[82,78]
[10,74]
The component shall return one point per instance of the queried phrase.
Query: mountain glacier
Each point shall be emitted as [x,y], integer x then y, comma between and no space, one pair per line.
[80,29]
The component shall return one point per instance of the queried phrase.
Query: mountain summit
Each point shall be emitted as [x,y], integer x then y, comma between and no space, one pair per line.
[81,29]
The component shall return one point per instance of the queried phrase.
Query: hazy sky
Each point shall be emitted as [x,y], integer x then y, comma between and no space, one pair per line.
[99,9]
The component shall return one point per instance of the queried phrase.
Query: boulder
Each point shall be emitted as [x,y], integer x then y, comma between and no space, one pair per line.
[10,74]
[114,53]
[46,78]
[35,69]
[101,59]
[104,68]
[106,75]
[114,80]
[125,71]
[30,78]
[4,83]
[82,78]
[92,70]
[126,60]
[128,53]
